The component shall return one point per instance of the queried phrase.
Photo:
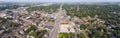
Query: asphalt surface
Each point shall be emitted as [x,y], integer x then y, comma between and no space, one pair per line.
[55,30]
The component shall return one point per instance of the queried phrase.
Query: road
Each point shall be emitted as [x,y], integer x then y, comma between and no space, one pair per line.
[55,30]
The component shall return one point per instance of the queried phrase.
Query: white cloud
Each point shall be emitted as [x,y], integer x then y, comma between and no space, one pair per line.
[63,0]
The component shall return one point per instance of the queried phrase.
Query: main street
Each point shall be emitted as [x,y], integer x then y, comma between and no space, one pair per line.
[55,30]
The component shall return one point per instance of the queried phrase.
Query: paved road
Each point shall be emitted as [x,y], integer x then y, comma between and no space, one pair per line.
[55,30]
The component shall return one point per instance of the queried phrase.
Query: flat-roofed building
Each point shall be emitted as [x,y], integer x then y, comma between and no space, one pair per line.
[67,27]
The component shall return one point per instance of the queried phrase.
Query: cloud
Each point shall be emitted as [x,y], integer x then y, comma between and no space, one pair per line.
[62,0]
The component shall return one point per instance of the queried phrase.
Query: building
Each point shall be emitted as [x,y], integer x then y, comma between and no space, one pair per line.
[67,27]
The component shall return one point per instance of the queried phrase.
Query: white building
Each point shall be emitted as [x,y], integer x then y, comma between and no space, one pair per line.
[2,14]
[67,27]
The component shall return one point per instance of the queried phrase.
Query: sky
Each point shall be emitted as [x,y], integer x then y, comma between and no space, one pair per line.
[61,0]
